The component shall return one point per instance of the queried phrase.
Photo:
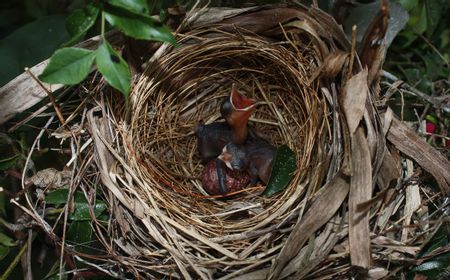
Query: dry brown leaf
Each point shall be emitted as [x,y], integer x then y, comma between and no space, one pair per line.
[323,245]
[354,99]
[309,28]
[215,14]
[328,201]
[328,23]
[409,143]
[373,49]
[331,66]
[377,273]
[389,171]
[360,191]
[261,21]
[375,142]
[386,242]
[366,205]
[386,119]
[254,275]
[413,202]
[334,63]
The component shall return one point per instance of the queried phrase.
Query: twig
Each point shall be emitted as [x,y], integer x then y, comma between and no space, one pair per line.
[50,96]
[352,53]
[437,101]
[26,260]
[434,49]
[12,227]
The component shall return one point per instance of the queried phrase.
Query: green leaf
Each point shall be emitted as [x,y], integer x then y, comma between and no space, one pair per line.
[104,217]
[140,27]
[30,45]
[432,265]
[436,268]
[35,8]
[8,163]
[5,240]
[82,208]
[134,6]
[81,212]
[440,239]
[4,250]
[432,119]
[57,197]
[284,165]
[408,4]
[434,9]
[418,19]
[434,66]
[79,22]
[80,235]
[68,66]
[114,68]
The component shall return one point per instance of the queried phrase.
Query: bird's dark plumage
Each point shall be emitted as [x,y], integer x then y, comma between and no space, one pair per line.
[256,157]
[211,138]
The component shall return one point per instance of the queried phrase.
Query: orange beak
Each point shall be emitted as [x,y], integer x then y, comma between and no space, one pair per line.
[239,101]
[242,106]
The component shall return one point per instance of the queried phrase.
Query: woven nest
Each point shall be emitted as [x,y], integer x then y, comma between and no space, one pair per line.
[298,66]
[187,89]
[184,87]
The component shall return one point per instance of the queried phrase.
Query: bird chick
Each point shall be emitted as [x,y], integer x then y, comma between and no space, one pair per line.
[254,157]
[236,111]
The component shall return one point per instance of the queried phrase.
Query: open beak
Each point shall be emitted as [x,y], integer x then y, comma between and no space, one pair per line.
[239,101]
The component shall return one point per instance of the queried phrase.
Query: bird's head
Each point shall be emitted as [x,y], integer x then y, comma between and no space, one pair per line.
[233,156]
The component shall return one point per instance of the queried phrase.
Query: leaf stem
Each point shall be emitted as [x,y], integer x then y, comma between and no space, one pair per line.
[50,96]
[103,26]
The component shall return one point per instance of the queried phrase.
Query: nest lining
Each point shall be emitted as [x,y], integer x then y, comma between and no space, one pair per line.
[185,87]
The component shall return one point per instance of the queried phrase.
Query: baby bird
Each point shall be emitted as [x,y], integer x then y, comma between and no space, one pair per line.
[255,157]
[236,111]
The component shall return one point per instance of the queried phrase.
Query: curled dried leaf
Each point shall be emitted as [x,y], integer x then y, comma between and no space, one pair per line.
[332,65]
[354,98]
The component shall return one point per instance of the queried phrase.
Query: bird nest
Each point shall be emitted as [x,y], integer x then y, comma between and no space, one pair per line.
[298,64]
[183,87]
